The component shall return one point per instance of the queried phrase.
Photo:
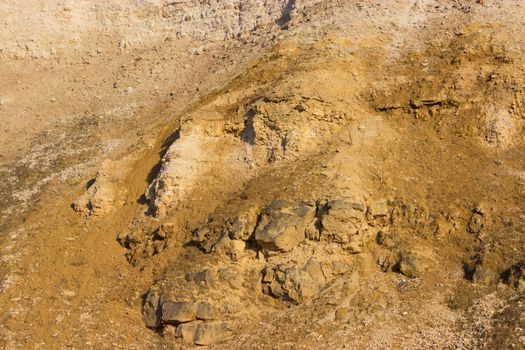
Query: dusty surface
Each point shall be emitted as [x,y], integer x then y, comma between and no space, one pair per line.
[273,175]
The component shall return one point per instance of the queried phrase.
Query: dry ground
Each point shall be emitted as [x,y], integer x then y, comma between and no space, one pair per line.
[419,105]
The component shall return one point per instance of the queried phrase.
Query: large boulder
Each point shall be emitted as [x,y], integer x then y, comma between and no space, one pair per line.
[282,225]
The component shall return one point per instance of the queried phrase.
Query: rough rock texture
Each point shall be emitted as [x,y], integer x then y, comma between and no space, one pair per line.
[284,174]
[106,191]
[282,224]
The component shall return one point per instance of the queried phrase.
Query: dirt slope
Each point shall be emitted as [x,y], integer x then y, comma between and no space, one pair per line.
[336,174]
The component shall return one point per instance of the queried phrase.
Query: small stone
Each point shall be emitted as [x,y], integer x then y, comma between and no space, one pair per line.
[379,208]
[484,276]
[354,247]
[268,274]
[313,267]
[69,293]
[408,266]
[342,313]
[243,226]
[342,221]
[476,222]
[312,232]
[339,268]
[169,333]
[237,247]
[515,276]
[206,277]
[387,240]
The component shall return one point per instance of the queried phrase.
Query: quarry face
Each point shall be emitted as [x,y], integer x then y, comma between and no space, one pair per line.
[262,174]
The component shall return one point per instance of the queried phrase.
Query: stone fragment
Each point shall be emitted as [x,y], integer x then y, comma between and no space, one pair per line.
[313,267]
[294,284]
[312,232]
[243,226]
[206,311]
[484,276]
[231,277]
[342,220]
[106,192]
[152,311]
[210,332]
[300,285]
[354,247]
[515,276]
[236,249]
[409,266]
[444,228]
[178,312]
[339,268]
[387,240]
[186,331]
[476,223]
[206,277]
[282,225]
[379,208]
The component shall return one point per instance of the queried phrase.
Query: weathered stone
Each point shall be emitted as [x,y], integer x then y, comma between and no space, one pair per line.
[186,331]
[342,220]
[387,240]
[340,268]
[300,285]
[378,209]
[515,276]
[444,228]
[210,332]
[268,275]
[169,333]
[312,232]
[388,262]
[106,192]
[484,276]
[476,223]
[236,248]
[243,226]
[354,247]
[282,225]
[342,313]
[201,234]
[152,311]
[178,312]
[231,277]
[409,266]
[294,284]
[313,267]
[206,277]
[206,311]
